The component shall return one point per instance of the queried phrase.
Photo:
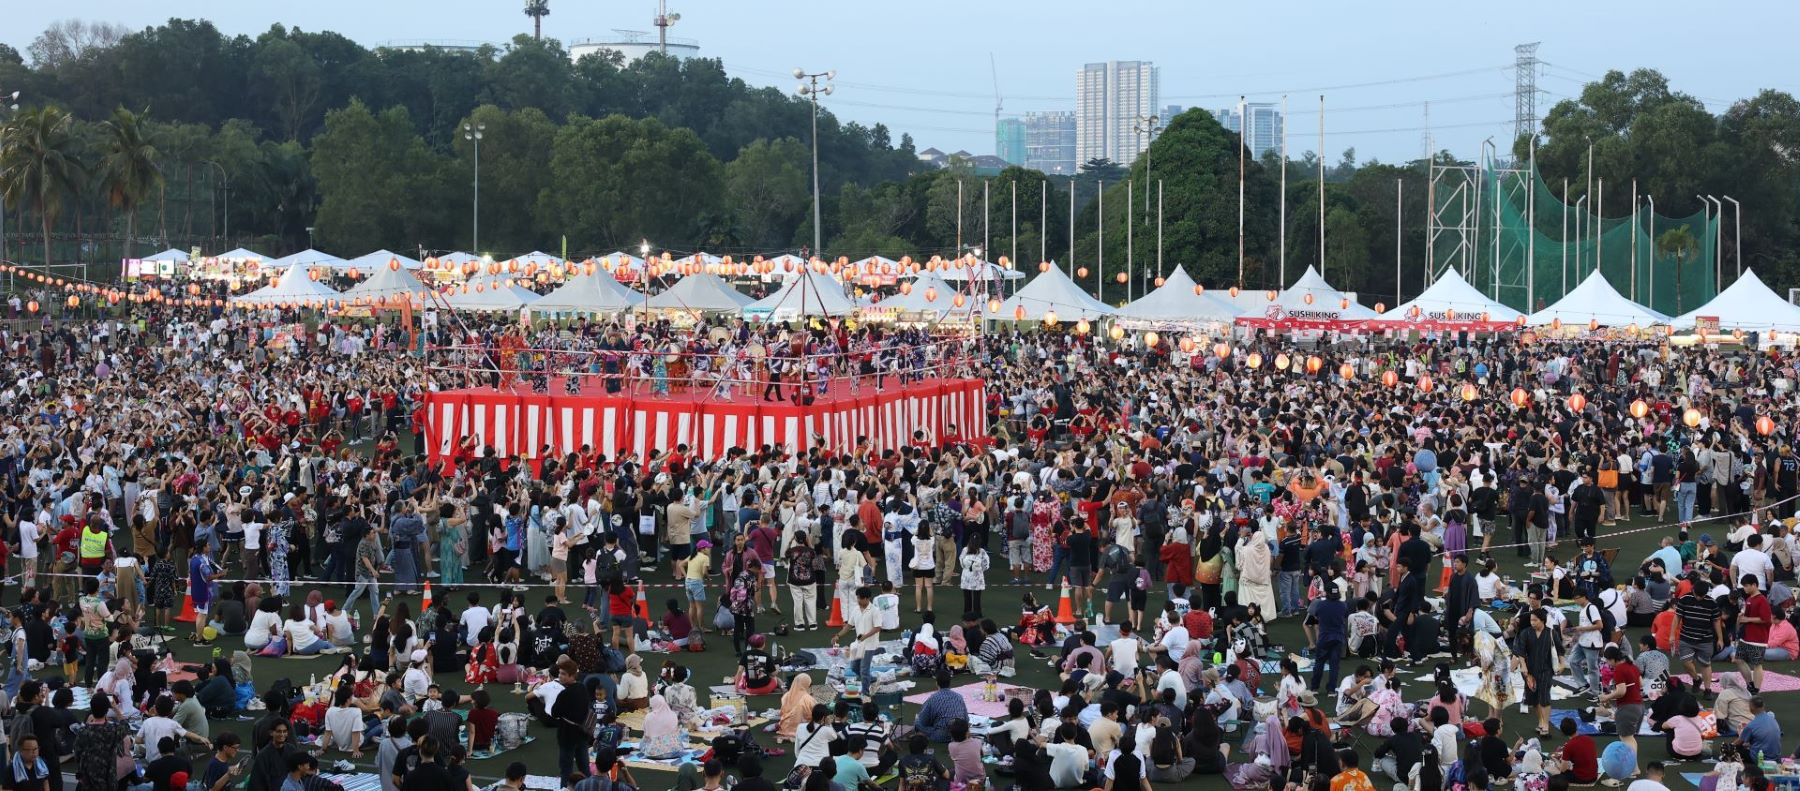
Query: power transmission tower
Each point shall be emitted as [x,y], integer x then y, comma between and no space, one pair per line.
[1525,63]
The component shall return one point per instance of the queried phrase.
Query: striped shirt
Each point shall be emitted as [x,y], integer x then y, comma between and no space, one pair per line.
[1698,615]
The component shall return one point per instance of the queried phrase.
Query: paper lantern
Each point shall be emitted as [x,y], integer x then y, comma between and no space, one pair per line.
[1019,313]
[1520,320]
[1520,397]
[31,306]
[1577,402]
[1468,391]
[1187,345]
[1150,339]
[1233,291]
[1254,360]
[993,306]
[393,264]
[1415,312]
[1593,324]
[1199,289]
[1380,308]
[1081,271]
[1691,417]
[1765,425]
[959,300]
[1222,349]
[193,288]
[1271,294]
[1117,332]
[931,293]
[1450,314]
[1424,384]
[1347,371]
[1120,278]
[1050,318]
[1344,304]
[1556,324]
[1308,299]
[1043,266]
[1159,282]
[1390,379]
[74,301]
[1081,327]
[1282,362]
[906,288]
[1639,409]
[1313,364]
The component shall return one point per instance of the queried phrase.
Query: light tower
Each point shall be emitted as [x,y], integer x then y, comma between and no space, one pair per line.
[1525,63]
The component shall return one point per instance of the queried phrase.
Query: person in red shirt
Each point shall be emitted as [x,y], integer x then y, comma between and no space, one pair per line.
[1580,753]
[1626,696]
[1755,618]
[1199,624]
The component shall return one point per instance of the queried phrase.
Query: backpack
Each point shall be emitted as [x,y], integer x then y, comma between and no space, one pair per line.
[1143,579]
[1607,621]
[742,589]
[611,661]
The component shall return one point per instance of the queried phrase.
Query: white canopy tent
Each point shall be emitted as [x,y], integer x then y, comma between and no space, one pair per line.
[1451,298]
[308,258]
[933,296]
[386,284]
[1310,303]
[1749,305]
[1595,300]
[458,258]
[1174,302]
[241,254]
[619,261]
[492,294]
[294,285]
[703,293]
[170,254]
[1051,291]
[599,292]
[380,259]
[542,259]
[809,293]
[962,269]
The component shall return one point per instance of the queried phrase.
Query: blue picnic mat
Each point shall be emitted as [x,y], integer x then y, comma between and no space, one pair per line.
[1558,715]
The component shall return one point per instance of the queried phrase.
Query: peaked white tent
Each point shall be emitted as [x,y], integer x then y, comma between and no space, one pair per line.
[241,254]
[1174,302]
[984,271]
[308,257]
[1310,303]
[542,259]
[1597,301]
[492,294]
[809,293]
[1749,305]
[457,258]
[386,284]
[170,254]
[703,292]
[1450,303]
[599,292]
[294,285]
[380,259]
[933,296]
[1051,291]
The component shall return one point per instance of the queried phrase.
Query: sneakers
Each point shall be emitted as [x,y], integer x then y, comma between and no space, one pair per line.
[344,766]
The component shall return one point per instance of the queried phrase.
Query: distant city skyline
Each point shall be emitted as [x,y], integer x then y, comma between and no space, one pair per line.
[1377,67]
[1265,126]
[1114,103]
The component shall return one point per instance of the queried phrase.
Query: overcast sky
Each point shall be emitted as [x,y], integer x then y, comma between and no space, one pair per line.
[922,66]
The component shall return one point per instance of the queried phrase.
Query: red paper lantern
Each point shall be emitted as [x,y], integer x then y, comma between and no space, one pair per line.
[1520,398]
[1347,371]
[1254,360]
[1424,384]
[1313,364]
[1691,417]
[1765,425]
[1639,409]
[1577,402]
[1468,391]
[1390,379]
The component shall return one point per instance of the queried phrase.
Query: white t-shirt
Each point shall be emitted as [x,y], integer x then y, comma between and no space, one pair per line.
[1125,655]
[153,730]
[28,540]
[258,634]
[300,634]
[474,620]
[1590,615]
[861,623]
[1485,583]
[338,629]
[1176,640]
[1752,561]
[343,722]
[887,608]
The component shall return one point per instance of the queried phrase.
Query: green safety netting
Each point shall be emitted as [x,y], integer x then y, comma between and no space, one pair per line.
[1566,247]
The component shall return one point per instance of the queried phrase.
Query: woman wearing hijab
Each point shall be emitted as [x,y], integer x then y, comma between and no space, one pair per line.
[927,651]
[796,707]
[634,686]
[663,735]
[1271,761]
[1191,667]
[117,682]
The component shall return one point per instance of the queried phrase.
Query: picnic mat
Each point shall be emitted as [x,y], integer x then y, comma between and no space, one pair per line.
[485,754]
[971,695]
[1558,715]
[359,781]
[1772,681]
[690,755]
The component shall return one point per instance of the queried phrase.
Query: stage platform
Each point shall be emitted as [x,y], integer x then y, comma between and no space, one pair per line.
[540,425]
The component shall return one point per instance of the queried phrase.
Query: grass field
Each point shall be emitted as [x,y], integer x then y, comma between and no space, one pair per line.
[1632,539]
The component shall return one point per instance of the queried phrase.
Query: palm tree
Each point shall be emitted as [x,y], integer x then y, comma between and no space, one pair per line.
[1678,242]
[38,164]
[537,10]
[129,172]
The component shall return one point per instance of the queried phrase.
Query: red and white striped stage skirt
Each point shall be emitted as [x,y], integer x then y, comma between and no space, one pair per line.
[538,426]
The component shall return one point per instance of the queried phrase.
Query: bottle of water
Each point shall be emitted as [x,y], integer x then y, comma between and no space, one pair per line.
[906,638]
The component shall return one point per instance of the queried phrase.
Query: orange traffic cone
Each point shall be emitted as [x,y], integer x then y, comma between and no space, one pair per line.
[836,621]
[1065,612]
[187,609]
[1444,579]
[427,603]
[643,604]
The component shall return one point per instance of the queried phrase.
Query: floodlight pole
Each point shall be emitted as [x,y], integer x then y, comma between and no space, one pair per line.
[811,90]
[1737,234]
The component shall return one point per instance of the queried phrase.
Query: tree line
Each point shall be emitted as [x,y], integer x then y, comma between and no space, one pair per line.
[179,134]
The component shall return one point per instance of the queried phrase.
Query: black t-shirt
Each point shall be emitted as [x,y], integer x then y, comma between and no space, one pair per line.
[429,776]
[1081,547]
[160,770]
[800,565]
[1588,500]
[1540,509]
[758,667]
[918,771]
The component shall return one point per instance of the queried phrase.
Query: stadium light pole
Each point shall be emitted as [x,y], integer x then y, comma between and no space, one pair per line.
[1578,216]
[1650,270]
[1737,235]
[472,133]
[812,91]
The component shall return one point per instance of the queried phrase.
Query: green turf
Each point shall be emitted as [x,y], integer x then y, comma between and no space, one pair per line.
[1001,603]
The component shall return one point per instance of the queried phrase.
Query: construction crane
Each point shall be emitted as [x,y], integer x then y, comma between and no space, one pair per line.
[994,70]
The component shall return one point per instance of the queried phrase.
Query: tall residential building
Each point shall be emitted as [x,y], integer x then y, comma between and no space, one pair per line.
[1169,112]
[1009,140]
[1110,98]
[1050,143]
[1265,127]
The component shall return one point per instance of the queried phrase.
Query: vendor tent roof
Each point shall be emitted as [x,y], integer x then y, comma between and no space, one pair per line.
[1175,301]
[458,258]
[380,259]
[494,294]
[809,293]
[308,257]
[931,294]
[1049,291]
[241,254]
[1749,305]
[1452,293]
[542,259]
[386,284]
[294,285]
[170,254]
[703,292]
[599,292]
[1596,300]
[1310,303]
[964,269]
[619,261]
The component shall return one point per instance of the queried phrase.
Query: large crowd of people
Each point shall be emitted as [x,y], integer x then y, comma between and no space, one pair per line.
[1413,506]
